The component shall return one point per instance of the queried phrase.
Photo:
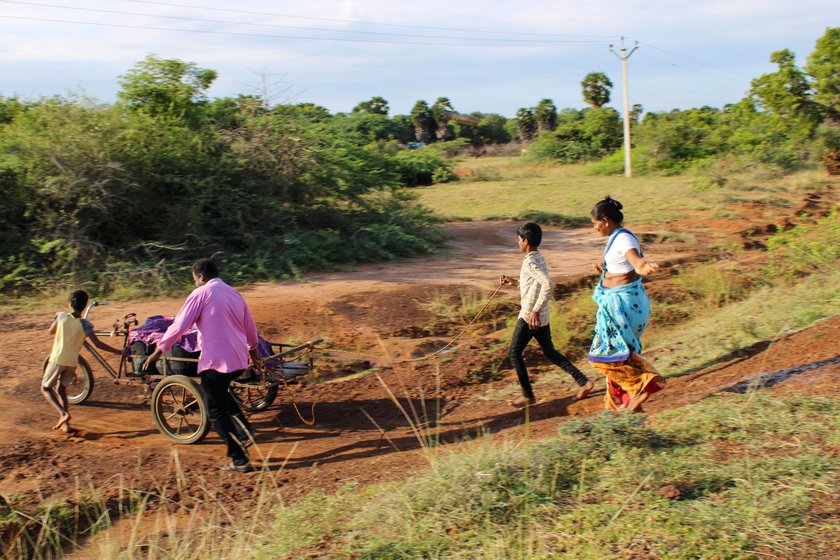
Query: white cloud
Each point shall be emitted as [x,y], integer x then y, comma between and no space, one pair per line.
[691,53]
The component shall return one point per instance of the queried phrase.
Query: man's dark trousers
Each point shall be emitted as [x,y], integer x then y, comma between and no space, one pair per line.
[225,414]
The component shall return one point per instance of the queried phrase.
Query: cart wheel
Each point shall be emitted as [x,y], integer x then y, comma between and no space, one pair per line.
[82,386]
[253,398]
[179,409]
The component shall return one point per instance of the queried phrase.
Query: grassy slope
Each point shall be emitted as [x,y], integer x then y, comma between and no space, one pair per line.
[767,313]
[517,189]
[729,477]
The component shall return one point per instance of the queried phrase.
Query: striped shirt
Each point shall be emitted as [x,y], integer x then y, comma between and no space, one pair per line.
[534,287]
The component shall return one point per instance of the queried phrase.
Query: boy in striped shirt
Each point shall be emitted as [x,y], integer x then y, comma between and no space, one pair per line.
[534,289]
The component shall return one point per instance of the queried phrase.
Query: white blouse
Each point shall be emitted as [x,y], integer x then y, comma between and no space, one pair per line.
[616,258]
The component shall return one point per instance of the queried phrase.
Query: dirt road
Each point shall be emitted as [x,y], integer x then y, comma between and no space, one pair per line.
[370,309]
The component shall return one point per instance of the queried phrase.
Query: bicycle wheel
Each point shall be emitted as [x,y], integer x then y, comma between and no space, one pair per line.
[179,409]
[253,398]
[82,385]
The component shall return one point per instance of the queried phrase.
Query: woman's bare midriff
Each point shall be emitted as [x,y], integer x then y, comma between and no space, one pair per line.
[614,280]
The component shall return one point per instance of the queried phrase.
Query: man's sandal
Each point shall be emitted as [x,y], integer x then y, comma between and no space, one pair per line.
[246,468]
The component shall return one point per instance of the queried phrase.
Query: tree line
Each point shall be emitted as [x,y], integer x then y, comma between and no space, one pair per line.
[787,117]
[93,192]
[122,193]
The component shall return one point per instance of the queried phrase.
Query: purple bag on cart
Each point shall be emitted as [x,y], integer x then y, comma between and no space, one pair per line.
[143,340]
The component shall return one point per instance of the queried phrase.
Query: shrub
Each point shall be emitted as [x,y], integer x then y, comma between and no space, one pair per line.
[89,186]
[805,249]
[421,167]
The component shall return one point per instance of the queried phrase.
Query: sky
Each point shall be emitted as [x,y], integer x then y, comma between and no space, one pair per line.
[492,56]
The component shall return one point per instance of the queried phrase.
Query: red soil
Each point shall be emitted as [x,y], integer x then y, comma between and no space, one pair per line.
[374,309]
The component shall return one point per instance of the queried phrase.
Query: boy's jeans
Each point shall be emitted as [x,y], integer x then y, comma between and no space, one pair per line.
[522,335]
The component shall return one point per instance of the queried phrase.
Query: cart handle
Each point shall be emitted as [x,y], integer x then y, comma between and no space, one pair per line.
[294,349]
[93,304]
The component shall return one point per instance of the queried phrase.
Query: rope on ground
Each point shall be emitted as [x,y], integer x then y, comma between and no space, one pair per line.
[427,356]
[264,386]
[294,404]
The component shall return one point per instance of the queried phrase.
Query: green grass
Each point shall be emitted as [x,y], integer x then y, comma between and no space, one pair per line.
[765,314]
[724,478]
[573,323]
[730,477]
[807,248]
[569,190]
[461,308]
[52,296]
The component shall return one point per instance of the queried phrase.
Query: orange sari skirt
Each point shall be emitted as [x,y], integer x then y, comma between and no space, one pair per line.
[628,378]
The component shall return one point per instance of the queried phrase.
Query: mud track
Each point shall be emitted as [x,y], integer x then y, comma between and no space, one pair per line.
[376,309]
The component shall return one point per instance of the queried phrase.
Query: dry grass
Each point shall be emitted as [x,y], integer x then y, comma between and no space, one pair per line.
[569,190]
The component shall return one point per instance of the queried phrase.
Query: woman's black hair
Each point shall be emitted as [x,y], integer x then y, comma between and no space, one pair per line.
[530,232]
[206,267]
[608,208]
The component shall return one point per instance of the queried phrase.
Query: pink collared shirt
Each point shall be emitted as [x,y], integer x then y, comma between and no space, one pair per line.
[226,328]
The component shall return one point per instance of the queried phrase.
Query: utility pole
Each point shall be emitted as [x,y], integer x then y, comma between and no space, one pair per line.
[628,172]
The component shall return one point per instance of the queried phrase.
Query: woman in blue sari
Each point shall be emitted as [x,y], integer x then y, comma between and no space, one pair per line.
[623,313]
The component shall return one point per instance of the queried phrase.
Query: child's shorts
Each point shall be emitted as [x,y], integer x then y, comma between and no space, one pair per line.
[55,374]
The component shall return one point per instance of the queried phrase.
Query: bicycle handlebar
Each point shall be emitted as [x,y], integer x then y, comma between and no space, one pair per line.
[93,304]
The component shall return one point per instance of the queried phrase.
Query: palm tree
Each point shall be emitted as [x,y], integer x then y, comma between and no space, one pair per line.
[442,112]
[422,120]
[375,106]
[526,123]
[546,115]
[596,89]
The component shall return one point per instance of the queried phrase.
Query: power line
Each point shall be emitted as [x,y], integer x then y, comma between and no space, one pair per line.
[228,22]
[192,6]
[698,60]
[298,37]
[688,69]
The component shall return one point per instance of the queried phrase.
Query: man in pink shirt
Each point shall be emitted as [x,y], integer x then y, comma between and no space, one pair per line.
[227,335]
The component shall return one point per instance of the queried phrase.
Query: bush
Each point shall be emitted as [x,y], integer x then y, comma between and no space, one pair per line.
[450,148]
[422,167]
[805,249]
[613,164]
[595,134]
[89,186]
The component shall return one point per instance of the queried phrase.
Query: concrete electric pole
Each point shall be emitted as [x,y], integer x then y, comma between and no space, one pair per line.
[628,172]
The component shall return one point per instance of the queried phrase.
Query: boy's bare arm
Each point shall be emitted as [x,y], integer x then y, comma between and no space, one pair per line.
[102,346]
[54,325]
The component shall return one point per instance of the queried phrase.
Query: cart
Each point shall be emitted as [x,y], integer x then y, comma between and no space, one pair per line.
[178,402]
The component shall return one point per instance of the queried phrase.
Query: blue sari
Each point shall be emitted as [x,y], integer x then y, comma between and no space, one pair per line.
[623,313]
